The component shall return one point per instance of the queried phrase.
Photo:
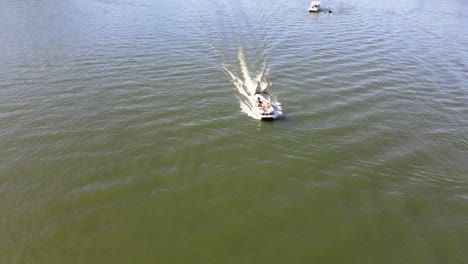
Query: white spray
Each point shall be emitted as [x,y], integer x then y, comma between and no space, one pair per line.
[248,83]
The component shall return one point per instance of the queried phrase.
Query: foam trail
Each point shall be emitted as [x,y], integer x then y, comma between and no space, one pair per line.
[247,85]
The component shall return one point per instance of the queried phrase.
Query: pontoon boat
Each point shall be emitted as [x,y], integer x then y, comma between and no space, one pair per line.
[265,108]
[314,6]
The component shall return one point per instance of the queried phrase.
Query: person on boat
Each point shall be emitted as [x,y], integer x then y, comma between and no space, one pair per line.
[259,102]
[265,106]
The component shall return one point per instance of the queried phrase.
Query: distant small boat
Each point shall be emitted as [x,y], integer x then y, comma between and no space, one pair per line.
[265,108]
[314,6]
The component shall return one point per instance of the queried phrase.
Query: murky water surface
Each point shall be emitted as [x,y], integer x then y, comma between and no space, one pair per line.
[126,134]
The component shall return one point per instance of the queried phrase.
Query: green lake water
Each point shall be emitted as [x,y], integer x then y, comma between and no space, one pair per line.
[126,134]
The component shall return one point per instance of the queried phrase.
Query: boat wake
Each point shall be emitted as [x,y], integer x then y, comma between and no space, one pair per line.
[225,28]
[247,82]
